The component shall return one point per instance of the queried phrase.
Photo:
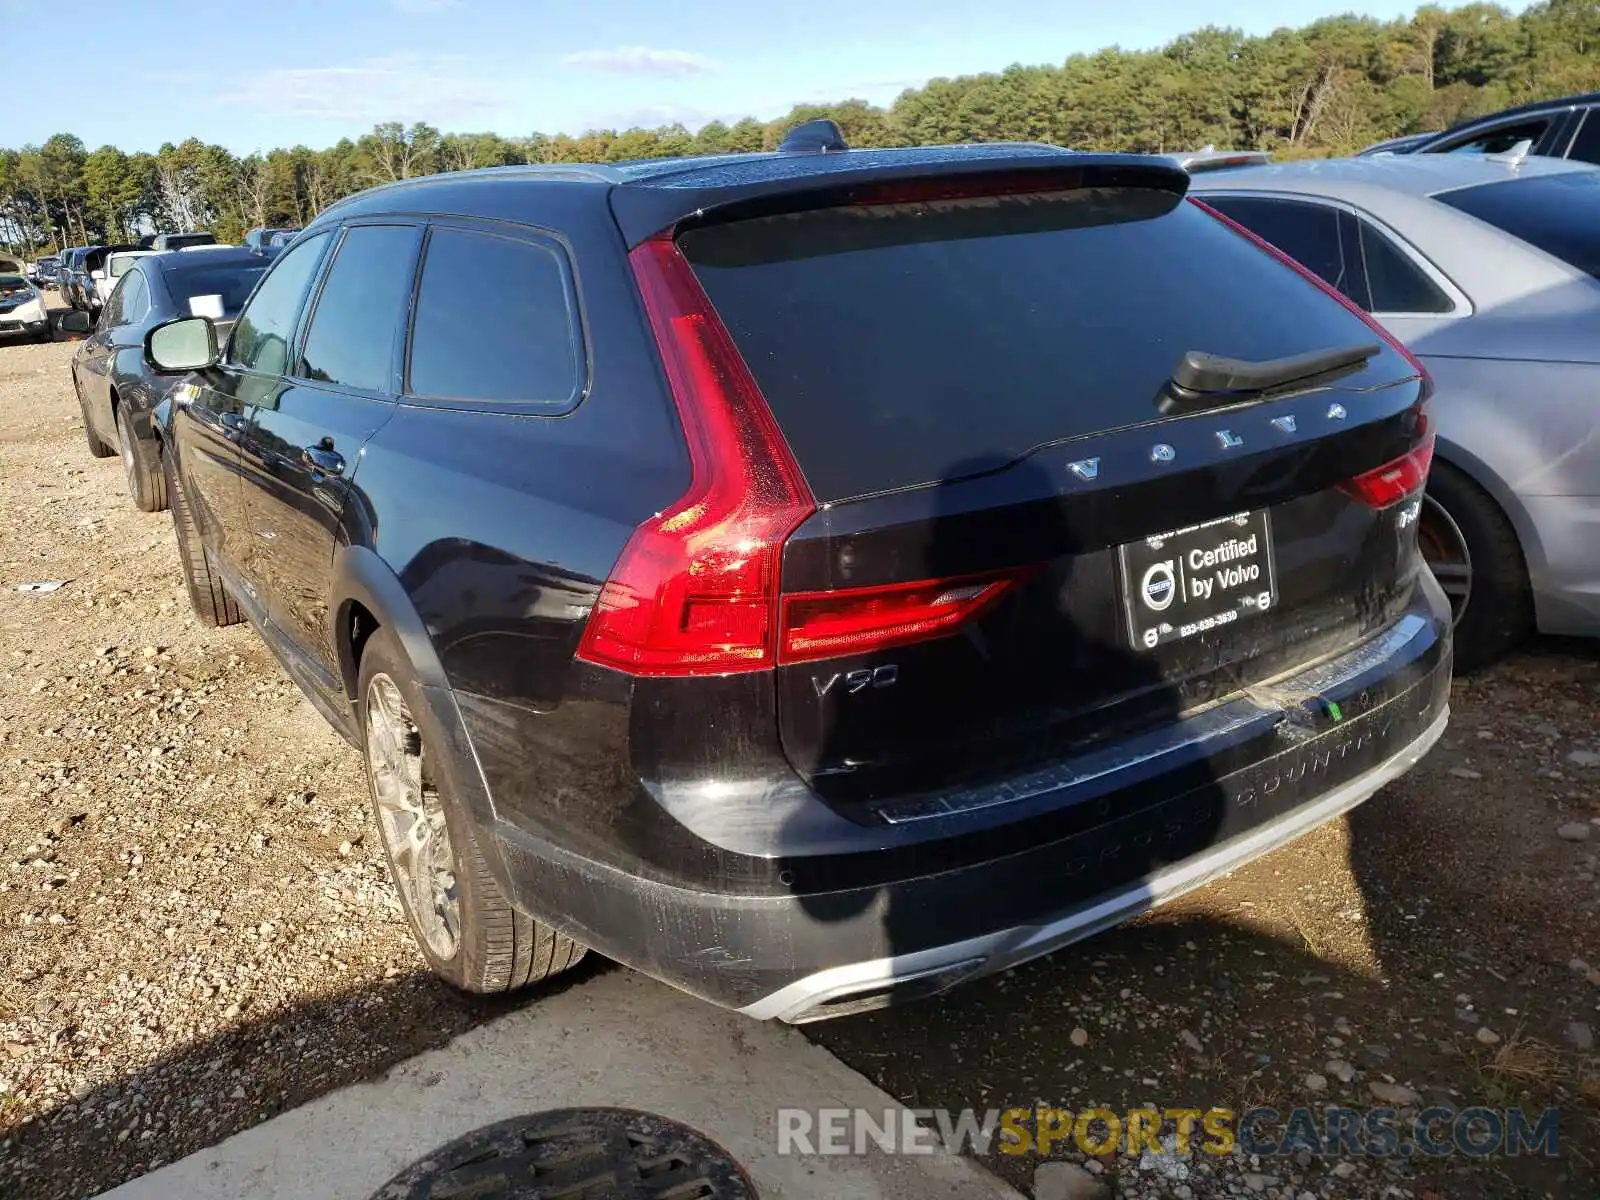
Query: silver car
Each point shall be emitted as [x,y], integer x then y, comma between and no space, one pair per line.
[1488,268]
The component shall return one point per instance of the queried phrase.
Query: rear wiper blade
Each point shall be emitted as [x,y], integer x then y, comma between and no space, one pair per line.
[1203,381]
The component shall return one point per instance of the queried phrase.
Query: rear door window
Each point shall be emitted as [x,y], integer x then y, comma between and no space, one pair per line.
[526,354]
[893,341]
[132,298]
[361,310]
[1560,214]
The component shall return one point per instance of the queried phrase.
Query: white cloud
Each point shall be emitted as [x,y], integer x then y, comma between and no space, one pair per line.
[438,90]
[423,7]
[642,60]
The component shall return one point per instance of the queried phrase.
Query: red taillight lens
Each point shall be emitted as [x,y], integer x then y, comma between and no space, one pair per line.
[695,591]
[856,620]
[1394,481]
[1318,281]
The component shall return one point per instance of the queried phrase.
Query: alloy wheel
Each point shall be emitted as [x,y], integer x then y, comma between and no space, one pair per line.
[411,819]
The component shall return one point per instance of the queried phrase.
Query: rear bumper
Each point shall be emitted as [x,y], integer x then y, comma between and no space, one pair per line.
[855,986]
[1137,824]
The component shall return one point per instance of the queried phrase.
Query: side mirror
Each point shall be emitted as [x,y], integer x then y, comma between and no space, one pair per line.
[75,322]
[187,344]
[99,276]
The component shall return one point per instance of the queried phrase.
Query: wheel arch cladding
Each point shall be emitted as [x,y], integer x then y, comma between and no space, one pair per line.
[362,582]
[367,594]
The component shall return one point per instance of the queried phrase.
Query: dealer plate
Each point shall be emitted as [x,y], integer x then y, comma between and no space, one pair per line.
[1183,583]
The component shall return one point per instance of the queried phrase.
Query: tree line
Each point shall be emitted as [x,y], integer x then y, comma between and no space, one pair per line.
[1329,88]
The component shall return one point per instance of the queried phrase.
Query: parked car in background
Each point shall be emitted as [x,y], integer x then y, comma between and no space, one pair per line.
[22,307]
[44,271]
[177,241]
[118,262]
[1488,271]
[94,283]
[116,388]
[1396,145]
[268,238]
[1568,127]
[67,281]
[916,467]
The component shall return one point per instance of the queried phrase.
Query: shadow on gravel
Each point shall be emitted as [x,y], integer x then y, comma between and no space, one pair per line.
[1283,985]
[227,1083]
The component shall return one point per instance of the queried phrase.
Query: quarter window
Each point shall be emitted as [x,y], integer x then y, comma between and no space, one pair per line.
[1395,283]
[527,355]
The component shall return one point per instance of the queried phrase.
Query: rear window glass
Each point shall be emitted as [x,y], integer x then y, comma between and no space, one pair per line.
[893,341]
[1560,214]
[232,283]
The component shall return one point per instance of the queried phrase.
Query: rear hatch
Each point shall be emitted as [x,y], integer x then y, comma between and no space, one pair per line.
[1027,537]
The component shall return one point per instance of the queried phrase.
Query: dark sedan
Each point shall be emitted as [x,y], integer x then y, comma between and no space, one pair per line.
[115,387]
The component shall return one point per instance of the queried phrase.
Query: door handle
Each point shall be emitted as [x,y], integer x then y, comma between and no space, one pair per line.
[323,457]
[233,425]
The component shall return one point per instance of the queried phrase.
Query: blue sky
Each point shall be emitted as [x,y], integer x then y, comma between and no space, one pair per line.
[312,71]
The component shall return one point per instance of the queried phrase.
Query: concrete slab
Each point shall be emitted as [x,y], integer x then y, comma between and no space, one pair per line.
[618,1039]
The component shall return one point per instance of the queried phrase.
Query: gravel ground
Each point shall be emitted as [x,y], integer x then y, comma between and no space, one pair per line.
[197,931]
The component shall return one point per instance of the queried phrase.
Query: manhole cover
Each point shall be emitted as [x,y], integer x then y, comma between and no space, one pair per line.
[576,1154]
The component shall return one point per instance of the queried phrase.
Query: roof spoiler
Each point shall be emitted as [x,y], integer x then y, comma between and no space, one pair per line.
[646,207]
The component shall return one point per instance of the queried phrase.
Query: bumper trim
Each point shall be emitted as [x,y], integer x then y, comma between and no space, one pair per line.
[825,992]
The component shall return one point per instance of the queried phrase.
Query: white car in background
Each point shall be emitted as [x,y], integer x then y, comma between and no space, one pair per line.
[22,309]
[116,266]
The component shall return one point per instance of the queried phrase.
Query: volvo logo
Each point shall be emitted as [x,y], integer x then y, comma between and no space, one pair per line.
[1159,586]
[1085,468]
[1283,424]
[1336,412]
[1227,439]
[1161,452]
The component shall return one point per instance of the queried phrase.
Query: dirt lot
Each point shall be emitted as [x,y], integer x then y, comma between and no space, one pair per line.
[196,930]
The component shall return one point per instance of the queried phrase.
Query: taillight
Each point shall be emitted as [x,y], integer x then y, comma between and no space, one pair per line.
[1397,479]
[856,620]
[695,591]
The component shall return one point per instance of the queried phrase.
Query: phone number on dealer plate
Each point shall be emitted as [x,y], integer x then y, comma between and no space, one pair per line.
[1179,584]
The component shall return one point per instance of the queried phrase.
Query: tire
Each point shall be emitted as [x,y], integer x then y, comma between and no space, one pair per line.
[464,926]
[96,447]
[210,600]
[1493,604]
[147,483]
